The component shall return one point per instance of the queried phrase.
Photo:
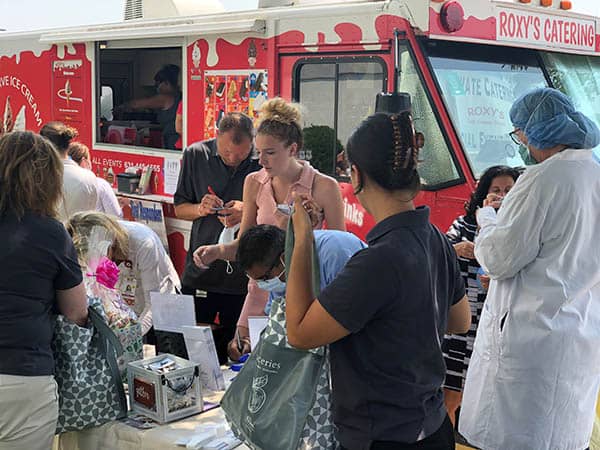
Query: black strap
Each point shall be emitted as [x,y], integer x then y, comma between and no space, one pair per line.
[111,348]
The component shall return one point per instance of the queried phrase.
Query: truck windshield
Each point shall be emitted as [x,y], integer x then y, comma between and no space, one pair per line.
[578,76]
[479,84]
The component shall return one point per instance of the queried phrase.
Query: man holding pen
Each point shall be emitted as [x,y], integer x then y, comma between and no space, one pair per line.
[209,192]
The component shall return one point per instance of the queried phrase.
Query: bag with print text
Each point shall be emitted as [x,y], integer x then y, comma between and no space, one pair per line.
[281,399]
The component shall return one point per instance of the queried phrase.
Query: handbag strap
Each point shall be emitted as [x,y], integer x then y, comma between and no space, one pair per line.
[289,249]
[111,348]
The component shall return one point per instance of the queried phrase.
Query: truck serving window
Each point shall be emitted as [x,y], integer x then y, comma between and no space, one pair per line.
[578,76]
[479,84]
[139,91]
[337,93]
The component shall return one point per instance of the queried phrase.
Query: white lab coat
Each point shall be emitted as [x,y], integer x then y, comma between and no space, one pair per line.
[151,267]
[533,379]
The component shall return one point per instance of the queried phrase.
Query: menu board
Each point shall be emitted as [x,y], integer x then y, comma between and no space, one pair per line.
[232,91]
[68,90]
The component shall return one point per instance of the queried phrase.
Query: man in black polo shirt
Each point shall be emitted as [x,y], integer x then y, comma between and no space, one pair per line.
[212,177]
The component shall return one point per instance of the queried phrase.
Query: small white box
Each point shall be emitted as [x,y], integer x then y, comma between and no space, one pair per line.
[167,396]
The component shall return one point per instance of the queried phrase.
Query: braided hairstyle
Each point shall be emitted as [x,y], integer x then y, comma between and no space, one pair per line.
[384,147]
[282,120]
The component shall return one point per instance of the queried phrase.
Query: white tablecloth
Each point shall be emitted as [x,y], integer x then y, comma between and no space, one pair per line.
[119,436]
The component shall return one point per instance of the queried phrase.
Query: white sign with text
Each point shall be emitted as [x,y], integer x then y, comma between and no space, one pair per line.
[544,29]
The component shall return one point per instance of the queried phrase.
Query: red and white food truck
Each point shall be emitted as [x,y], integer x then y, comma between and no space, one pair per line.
[462,61]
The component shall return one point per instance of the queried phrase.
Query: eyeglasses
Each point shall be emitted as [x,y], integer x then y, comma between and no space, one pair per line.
[267,276]
[515,137]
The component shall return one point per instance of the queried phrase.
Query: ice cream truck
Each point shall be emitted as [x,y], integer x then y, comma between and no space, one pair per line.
[463,62]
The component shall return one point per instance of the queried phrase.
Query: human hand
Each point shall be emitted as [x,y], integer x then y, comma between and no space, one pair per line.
[493,200]
[465,249]
[232,214]
[301,219]
[485,281]
[313,209]
[205,255]
[233,347]
[208,203]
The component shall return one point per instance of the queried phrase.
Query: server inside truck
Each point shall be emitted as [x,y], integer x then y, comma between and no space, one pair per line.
[139,92]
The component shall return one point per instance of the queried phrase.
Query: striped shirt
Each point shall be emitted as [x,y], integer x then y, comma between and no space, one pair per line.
[458,347]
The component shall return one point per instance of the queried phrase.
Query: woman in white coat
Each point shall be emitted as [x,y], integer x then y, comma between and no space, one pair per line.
[534,374]
[144,264]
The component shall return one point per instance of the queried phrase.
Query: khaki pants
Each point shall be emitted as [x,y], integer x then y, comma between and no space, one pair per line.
[28,412]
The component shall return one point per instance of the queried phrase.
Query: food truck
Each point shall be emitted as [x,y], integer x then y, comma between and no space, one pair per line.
[463,62]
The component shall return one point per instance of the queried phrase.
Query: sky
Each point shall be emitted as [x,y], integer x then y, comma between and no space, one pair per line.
[66,13]
[40,14]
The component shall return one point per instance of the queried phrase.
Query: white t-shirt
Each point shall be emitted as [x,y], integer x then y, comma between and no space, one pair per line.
[80,192]
[107,200]
[150,267]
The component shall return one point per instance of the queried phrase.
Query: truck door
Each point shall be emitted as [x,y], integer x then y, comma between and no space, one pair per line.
[338,91]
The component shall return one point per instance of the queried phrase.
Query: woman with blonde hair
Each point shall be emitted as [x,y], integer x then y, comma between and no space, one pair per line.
[39,274]
[279,139]
[107,200]
[143,262]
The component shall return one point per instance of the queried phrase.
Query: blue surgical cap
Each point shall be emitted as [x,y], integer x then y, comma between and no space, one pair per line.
[548,118]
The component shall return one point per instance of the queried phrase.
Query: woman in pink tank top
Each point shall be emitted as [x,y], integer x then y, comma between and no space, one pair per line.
[278,141]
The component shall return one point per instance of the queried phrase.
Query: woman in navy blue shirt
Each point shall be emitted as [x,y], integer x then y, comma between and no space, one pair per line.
[386,313]
[40,274]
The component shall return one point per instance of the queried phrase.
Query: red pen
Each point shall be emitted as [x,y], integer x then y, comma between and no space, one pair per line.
[212,192]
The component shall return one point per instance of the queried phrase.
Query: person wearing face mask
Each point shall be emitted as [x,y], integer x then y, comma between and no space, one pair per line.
[493,185]
[260,254]
[209,192]
[278,141]
[535,370]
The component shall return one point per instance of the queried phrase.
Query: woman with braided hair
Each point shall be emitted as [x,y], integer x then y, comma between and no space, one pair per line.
[386,313]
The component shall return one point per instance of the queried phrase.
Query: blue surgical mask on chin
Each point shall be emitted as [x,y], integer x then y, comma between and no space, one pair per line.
[274,284]
[528,160]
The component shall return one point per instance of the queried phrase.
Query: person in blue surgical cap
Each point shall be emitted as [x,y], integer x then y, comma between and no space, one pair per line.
[535,370]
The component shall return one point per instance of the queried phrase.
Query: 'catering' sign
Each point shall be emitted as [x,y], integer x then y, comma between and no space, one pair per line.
[548,30]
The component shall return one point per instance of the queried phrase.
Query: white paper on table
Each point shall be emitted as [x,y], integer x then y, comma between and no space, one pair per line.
[171,171]
[201,349]
[170,312]
[256,324]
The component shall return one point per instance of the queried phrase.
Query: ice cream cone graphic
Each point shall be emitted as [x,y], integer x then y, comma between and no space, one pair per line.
[196,56]
[8,119]
[68,91]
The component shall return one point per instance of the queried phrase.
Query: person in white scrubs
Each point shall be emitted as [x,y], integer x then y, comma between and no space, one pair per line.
[534,374]
[143,261]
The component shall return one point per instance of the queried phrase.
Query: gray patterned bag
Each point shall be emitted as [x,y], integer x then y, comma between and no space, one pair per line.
[318,431]
[307,388]
[89,384]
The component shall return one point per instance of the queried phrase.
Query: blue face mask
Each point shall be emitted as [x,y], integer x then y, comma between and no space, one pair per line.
[274,284]
[526,156]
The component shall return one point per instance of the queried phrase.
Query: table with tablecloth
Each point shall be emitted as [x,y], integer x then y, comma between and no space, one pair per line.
[118,435]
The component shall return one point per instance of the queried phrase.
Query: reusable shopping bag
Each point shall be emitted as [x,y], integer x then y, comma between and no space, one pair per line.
[90,389]
[281,397]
